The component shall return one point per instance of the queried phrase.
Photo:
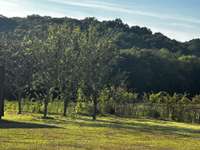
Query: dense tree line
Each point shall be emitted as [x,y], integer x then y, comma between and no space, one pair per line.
[161,70]
[54,58]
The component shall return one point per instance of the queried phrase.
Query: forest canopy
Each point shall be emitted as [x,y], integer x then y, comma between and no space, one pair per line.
[67,59]
[149,62]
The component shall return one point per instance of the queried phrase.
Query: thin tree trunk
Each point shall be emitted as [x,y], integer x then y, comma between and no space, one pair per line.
[95,109]
[65,106]
[2,77]
[45,107]
[19,104]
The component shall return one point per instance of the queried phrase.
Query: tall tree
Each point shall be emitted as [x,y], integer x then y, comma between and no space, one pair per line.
[62,40]
[97,58]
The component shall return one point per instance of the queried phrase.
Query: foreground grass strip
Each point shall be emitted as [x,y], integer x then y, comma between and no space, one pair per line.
[30,131]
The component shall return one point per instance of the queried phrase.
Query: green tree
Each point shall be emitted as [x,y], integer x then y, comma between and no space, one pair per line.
[98,56]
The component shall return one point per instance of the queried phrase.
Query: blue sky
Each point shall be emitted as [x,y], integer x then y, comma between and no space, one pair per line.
[178,19]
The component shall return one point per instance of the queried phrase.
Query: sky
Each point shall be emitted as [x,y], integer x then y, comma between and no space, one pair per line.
[177,19]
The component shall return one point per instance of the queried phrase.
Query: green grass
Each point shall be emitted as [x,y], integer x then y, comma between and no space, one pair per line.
[31,132]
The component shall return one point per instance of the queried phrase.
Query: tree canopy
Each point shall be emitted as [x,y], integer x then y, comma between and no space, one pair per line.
[56,57]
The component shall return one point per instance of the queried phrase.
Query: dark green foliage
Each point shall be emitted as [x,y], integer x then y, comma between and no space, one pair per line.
[193,46]
[161,70]
[49,59]
[129,36]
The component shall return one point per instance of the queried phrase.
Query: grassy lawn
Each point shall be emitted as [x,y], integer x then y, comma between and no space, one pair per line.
[29,131]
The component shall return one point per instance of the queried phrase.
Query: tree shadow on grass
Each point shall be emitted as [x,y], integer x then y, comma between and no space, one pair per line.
[5,124]
[143,127]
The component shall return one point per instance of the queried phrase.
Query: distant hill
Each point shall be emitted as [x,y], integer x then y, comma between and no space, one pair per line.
[130,37]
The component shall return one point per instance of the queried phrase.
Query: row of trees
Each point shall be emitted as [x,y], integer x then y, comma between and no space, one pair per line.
[56,60]
[65,60]
[121,102]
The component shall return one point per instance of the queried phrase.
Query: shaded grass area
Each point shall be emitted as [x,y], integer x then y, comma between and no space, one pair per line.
[144,126]
[30,131]
[6,124]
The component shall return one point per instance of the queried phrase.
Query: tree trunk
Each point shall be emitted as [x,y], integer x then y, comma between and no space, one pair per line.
[2,76]
[65,106]
[199,118]
[19,104]
[95,109]
[45,108]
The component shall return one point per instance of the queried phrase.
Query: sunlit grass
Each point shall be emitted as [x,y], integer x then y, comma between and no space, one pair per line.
[30,131]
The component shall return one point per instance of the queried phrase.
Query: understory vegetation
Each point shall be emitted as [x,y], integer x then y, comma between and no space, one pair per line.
[177,107]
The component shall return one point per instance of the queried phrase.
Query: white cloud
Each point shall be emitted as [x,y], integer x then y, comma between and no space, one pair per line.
[182,25]
[118,8]
[9,3]
[176,34]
